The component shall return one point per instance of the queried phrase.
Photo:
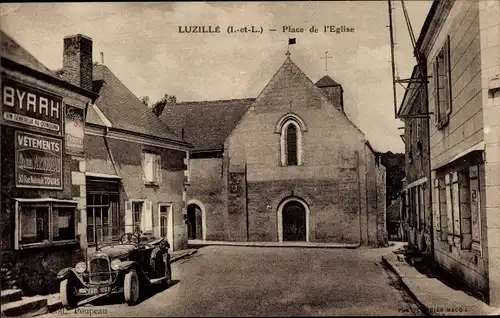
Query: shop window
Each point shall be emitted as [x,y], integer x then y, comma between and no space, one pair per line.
[442,86]
[103,221]
[151,164]
[44,222]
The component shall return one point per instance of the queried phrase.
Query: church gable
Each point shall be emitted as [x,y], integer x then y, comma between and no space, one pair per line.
[291,91]
[288,89]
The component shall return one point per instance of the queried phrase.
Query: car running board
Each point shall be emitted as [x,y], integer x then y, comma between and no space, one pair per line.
[92,298]
[156,281]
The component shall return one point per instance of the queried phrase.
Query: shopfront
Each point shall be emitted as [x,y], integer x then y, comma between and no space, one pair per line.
[42,173]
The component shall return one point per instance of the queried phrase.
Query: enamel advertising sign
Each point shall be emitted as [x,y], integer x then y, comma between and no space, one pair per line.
[38,161]
[28,107]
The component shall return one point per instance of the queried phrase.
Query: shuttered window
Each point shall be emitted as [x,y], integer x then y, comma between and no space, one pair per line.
[151,164]
[442,86]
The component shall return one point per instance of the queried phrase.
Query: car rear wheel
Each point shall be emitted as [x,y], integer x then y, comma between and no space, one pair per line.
[131,287]
[67,290]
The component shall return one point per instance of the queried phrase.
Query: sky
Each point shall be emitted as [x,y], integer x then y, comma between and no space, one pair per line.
[142,45]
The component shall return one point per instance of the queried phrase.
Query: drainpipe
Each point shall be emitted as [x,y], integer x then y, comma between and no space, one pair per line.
[359,198]
[109,150]
[429,171]
[246,202]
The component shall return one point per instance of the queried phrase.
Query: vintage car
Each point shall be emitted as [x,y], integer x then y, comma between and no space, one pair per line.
[124,267]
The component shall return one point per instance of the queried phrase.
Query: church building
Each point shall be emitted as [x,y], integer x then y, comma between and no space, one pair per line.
[287,165]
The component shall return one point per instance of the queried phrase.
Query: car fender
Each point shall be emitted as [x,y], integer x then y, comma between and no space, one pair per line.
[128,265]
[154,254]
[69,272]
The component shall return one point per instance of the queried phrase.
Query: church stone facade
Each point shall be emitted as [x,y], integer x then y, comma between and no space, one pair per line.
[288,165]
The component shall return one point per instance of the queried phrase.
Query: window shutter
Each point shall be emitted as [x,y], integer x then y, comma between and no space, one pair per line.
[456,204]
[129,220]
[147,217]
[465,209]
[435,67]
[449,209]
[143,165]
[158,168]
[447,59]
[436,207]
[475,207]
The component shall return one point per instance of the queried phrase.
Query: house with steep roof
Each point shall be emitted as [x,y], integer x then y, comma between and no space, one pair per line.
[135,164]
[84,161]
[288,165]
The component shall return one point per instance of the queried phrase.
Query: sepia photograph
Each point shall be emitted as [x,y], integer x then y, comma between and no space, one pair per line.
[250,158]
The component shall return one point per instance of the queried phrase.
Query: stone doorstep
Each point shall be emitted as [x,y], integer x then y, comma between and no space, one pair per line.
[54,300]
[26,307]
[10,295]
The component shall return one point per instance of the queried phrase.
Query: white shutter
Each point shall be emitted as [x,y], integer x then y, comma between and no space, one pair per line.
[149,167]
[143,166]
[147,217]
[129,218]
[158,168]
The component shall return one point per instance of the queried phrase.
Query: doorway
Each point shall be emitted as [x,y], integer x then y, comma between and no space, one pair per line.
[294,222]
[195,226]
[166,222]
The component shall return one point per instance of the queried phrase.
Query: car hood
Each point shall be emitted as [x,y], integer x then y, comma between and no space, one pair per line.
[118,251]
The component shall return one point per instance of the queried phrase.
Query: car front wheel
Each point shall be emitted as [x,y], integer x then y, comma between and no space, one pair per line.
[131,287]
[67,290]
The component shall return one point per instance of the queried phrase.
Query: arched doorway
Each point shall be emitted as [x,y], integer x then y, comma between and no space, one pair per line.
[195,216]
[293,220]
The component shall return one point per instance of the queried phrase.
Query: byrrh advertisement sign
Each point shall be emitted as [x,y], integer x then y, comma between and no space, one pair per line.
[38,161]
[29,107]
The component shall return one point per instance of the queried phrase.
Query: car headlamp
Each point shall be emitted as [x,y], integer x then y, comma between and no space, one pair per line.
[115,264]
[80,267]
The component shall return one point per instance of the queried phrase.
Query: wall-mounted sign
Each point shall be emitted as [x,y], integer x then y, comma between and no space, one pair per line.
[74,129]
[31,108]
[38,161]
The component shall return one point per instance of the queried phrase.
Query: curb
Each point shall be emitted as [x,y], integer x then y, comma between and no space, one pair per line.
[176,258]
[58,304]
[425,310]
[245,244]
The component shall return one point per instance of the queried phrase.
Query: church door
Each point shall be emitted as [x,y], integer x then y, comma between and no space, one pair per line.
[294,222]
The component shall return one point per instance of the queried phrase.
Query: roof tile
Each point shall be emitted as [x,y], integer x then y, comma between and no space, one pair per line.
[125,110]
[13,51]
[206,124]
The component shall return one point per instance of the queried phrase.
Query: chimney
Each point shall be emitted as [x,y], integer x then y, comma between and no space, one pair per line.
[332,90]
[77,60]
